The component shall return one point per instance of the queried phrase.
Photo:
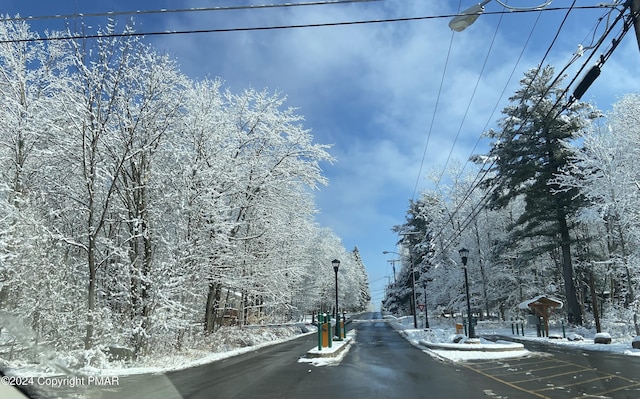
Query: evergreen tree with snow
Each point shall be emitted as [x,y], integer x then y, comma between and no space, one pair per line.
[364,295]
[527,153]
[417,235]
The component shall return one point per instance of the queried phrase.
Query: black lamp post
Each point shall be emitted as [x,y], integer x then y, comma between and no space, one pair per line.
[336,265]
[464,254]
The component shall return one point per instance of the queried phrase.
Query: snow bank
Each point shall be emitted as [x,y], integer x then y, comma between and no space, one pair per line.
[225,343]
[443,332]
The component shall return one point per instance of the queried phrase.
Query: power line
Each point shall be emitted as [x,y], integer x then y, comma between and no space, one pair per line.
[540,8]
[473,94]
[504,90]
[484,201]
[266,28]
[577,55]
[483,172]
[590,77]
[433,117]
[182,10]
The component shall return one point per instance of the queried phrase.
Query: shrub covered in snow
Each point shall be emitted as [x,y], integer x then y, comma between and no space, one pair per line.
[575,337]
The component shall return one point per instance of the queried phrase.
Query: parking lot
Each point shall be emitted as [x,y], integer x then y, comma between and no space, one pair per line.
[550,376]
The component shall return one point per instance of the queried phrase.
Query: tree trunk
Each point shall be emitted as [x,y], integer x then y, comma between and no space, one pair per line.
[629,295]
[594,301]
[573,307]
[213,301]
[91,294]
[146,268]
[482,273]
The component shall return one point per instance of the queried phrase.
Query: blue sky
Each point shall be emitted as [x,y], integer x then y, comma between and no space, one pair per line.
[372,90]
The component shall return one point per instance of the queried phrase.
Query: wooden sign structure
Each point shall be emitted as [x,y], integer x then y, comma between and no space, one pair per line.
[542,306]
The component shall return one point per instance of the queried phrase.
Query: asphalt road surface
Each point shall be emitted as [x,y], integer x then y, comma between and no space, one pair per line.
[382,364]
[557,372]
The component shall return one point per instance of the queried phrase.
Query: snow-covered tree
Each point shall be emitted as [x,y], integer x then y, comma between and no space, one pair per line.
[361,283]
[137,206]
[528,154]
[32,267]
[605,171]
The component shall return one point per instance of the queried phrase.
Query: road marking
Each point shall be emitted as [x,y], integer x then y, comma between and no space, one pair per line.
[576,383]
[583,375]
[599,394]
[573,371]
[518,362]
[601,372]
[503,364]
[506,383]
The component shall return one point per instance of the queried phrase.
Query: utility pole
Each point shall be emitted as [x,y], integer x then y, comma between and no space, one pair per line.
[635,12]
[393,265]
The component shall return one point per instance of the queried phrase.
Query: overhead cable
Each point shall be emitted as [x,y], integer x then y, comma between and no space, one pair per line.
[484,171]
[476,209]
[589,78]
[433,116]
[473,94]
[499,100]
[181,10]
[266,28]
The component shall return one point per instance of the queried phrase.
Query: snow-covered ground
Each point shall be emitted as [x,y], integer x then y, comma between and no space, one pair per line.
[226,342]
[443,332]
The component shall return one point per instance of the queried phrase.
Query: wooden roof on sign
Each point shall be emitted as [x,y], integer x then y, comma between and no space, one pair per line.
[541,301]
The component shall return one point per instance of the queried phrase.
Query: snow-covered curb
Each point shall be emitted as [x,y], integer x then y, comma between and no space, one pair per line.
[334,355]
[620,348]
[621,344]
[501,346]
[437,342]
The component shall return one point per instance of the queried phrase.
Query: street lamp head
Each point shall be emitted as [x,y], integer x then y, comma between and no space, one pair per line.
[467,17]
[386,252]
[336,265]
[464,254]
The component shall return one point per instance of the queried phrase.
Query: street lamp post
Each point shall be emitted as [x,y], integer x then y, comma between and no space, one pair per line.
[464,254]
[336,265]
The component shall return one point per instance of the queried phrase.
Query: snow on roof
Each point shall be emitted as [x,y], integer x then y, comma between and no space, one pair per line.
[541,299]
